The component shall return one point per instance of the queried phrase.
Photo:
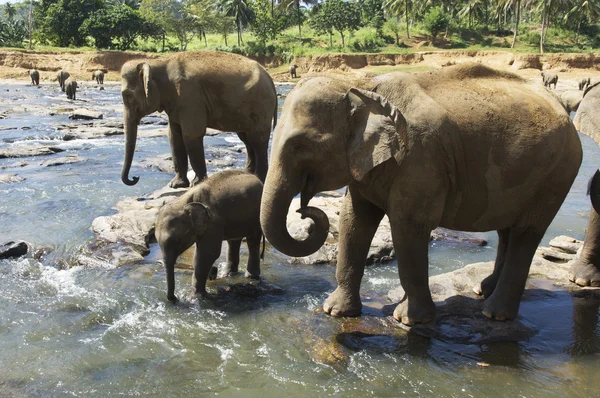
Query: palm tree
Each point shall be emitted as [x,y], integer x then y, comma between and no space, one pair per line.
[581,9]
[472,9]
[241,11]
[295,4]
[10,11]
[504,6]
[397,7]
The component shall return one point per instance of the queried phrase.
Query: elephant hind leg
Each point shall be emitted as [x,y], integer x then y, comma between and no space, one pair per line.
[504,302]
[585,270]
[257,146]
[487,286]
[233,257]
[180,157]
[253,268]
[250,154]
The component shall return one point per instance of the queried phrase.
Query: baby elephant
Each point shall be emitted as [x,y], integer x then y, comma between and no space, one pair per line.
[98,75]
[549,78]
[225,206]
[35,77]
[293,71]
[584,83]
[71,89]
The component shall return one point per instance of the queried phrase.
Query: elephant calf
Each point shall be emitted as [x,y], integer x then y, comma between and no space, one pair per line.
[225,206]
[549,78]
[583,83]
[293,69]
[98,75]
[35,77]
[62,77]
[71,89]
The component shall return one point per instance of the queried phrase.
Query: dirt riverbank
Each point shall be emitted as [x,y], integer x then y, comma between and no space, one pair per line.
[15,64]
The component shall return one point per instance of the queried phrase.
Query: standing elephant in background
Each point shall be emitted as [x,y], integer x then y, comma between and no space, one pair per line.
[293,69]
[455,148]
[62,77]
[584,83]
[71,89]
[35,77]
[197,90]
[225,206]
[585,270]
[98,75]
[549,78]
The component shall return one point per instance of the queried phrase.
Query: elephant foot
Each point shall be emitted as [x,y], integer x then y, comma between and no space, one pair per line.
[197,180]
[340,303]
[251,275]
[179,182]
[486,287]
[413,311]
[212,274]
[584,273]
[500,310]
[198,296]
[173,299]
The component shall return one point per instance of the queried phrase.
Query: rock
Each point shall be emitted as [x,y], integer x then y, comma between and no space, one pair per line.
[566,244]
[30,150]
[242,286]
[85,114]
[13,249]
[69,159]
[549,253]
[10,178]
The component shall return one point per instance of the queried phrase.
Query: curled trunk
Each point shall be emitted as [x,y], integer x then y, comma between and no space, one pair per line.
[131,127]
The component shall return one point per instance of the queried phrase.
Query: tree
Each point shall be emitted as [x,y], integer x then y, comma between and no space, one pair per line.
[338,15]
[60,20]
[398,7]
[265,25]
[295,5]
[321,23]
[373,14]
[242,13]
[9,11]
[393,26]
[580,10]
[118,23]
[12,33]
[223,25]
[435,21]
[471,9]
[171,16]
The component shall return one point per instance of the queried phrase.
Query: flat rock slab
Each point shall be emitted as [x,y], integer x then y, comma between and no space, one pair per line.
[10,178]
[26,151]
[69,159]
[85,114]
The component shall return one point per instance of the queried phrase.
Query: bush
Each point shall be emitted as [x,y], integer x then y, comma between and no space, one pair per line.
[531,37]
[369,42]
[435,21]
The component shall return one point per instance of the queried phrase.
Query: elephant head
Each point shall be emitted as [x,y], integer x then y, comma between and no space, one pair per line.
[329,135]
[141,96]
[178,226]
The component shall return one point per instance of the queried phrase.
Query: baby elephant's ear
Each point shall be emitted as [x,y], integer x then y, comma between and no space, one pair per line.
[378,132]
[199,216]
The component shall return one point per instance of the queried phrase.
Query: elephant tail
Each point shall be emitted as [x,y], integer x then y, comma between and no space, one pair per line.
[262,254]
[594,190]
[275,111]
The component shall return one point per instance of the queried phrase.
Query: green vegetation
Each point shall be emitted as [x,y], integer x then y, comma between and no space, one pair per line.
[287,28]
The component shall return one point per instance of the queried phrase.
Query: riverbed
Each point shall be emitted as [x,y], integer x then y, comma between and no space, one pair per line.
[103,331]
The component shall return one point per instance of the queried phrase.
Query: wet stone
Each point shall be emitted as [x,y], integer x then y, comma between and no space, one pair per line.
[10,178]
[566,244]
[85,114]
[241,286]
[26,151]
[69,159]
[13,249]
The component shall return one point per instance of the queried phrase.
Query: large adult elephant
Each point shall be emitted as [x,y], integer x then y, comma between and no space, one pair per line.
[585,270]
[197,90]
[62,77]
[466,147]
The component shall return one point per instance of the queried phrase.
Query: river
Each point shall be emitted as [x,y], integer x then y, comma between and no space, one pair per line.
[85,331]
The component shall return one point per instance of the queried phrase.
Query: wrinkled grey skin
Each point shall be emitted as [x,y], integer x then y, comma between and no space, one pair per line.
[585,270]
[98,75]
[197,90]
[293,69]
[549,78]
[415,148]
[224,206]
[35,77]
[71,89]
[571,99]
[584,83]
[62,77]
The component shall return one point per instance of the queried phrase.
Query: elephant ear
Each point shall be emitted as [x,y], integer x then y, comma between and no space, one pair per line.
[144,70]
[199,216]
[378,132]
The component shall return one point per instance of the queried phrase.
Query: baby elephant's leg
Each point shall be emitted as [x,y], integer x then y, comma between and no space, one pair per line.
[253,268]
[233,257]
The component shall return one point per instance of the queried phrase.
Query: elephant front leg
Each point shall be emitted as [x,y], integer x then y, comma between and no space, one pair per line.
[359,220]
[253,268]
[487,286]
[411,242]
[179,155]
[207,252]
[169,262]
[233,257]
[585,270]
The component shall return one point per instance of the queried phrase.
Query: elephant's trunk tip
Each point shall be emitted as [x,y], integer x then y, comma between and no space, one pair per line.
[129,182]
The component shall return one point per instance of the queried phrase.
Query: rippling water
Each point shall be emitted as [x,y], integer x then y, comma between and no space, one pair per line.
[101,332]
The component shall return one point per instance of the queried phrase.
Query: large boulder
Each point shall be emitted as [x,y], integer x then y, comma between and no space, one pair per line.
[13,249]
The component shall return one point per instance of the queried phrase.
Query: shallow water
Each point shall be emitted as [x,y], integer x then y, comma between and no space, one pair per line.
[101,331]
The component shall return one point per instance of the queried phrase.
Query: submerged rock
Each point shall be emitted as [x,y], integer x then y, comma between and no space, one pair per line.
[85,114]
[13,249]
[10,178]
[26,151]
[69,159]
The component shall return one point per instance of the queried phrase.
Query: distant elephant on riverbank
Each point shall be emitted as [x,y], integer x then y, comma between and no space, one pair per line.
[466,147]
[571,99]
[293,69]
[71,89]
[584,83]
[549,78]
[62,77]
[98,75]
[35,77]
[197,90]
[585,270]
[225,206]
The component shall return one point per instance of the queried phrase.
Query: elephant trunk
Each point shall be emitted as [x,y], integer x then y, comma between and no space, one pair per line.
[276,200]
[131,127]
